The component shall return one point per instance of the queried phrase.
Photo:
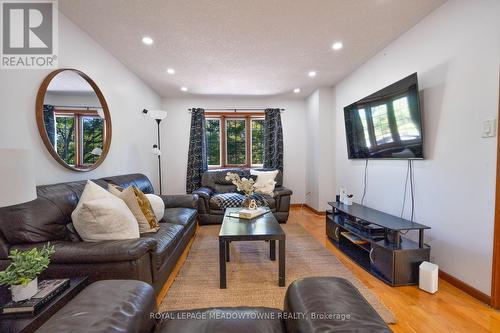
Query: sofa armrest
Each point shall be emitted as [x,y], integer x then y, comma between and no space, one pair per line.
[180,201]
[281,191]
[204,192]
[94,252]
[282,196]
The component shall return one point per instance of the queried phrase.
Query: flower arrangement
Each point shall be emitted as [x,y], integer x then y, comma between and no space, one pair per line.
[242,184]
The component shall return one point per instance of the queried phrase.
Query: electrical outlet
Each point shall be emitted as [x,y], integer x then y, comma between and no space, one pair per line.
[489,129]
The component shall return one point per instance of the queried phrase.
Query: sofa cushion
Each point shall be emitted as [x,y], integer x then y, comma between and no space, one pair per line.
[222,320]
[100,216]
[182,216]
[167,238]
[106,306]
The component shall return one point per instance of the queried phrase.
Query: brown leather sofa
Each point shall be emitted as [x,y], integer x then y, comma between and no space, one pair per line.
[315,304]
[150,258]
[214,182]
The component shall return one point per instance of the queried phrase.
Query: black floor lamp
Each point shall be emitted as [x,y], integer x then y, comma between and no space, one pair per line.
[157,115]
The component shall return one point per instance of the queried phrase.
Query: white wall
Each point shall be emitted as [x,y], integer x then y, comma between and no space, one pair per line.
[125,93]
[455,51]
[320,174]
[175,139]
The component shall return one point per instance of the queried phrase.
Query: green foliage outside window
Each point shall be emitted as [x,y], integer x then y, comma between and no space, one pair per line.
[236,141]
[93,130]
[213,141]
[65,129]
[257,141]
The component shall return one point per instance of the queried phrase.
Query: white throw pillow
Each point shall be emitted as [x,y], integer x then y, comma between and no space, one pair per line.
[157,204]
[265,182]
[101,216]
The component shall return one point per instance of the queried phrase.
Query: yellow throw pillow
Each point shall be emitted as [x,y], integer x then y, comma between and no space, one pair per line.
[139,205]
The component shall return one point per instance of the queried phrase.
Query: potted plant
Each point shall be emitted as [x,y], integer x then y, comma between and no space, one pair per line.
[21,275]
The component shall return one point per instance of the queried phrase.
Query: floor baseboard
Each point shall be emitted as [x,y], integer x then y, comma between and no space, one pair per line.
[468,289]
[309,208]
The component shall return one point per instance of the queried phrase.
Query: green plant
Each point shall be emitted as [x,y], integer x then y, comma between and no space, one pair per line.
[26,265]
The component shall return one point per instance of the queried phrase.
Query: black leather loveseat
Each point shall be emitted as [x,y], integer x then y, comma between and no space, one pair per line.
[150,258]
[311,305]
[214,183]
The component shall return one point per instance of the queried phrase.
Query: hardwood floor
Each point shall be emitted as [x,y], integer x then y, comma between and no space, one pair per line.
[449,310]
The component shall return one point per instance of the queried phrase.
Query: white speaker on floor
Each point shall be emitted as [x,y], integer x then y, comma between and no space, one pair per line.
[428,277]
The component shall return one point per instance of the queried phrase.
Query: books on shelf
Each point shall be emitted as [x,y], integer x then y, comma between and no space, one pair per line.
[47,291]
[249,213]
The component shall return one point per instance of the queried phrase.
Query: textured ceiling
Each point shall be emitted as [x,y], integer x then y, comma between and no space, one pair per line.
[244,47]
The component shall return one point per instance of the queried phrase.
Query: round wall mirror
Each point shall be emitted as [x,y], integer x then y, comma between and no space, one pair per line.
[73,119]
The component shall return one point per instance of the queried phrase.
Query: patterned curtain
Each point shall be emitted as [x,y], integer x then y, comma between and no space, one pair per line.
[273,140]
[197,156]
[50,124]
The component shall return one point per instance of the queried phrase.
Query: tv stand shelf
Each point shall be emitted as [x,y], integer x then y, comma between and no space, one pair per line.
[380,249]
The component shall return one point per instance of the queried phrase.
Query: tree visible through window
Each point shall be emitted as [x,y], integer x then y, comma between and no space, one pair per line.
[213,141]
[235,140]
[77,135]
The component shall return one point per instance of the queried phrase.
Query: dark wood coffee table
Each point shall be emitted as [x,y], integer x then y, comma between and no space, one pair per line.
[262,228]
[17,323]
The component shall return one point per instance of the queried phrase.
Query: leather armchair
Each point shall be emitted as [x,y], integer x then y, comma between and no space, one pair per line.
[214,182]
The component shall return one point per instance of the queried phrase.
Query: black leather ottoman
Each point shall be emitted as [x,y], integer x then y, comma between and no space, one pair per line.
[223,320]
[110,306]
[330,304]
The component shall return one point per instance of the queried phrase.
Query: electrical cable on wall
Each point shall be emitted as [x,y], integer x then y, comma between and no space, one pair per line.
[406,189]
[364,182]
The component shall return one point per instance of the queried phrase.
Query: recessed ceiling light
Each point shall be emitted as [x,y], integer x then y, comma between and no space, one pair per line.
[170,71]
[184,89]
[312,74]
[147,40]
[296,90]
[337,46]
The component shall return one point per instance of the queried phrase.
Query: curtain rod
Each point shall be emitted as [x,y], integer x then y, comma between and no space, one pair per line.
[77,107]
[235,109]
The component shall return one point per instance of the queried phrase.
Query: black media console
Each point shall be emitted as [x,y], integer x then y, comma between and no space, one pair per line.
[373,240]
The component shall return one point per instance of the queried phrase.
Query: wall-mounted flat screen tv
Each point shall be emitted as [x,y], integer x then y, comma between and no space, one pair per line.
[386,124]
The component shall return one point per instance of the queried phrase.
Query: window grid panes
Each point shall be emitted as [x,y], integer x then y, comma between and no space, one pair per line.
[257,142]
[213,141]
[236,142]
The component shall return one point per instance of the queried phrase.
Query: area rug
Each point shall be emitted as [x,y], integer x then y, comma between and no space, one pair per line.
[252,279]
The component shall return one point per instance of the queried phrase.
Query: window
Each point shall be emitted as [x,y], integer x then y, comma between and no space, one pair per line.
[235,140]
[364,123]
[213,141]
[79,135]
[405,125]
[381,127]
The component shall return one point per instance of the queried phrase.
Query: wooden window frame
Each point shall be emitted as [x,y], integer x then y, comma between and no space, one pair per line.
[78,115]
[223,117]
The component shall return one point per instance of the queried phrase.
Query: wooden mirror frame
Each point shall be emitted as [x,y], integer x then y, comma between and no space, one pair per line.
[40,97]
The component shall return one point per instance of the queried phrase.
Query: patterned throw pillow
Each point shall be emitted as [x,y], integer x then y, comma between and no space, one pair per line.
[228,200]
[139,205]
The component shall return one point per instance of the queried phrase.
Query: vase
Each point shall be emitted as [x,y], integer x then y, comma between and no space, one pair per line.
[21,293]
[249,202]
